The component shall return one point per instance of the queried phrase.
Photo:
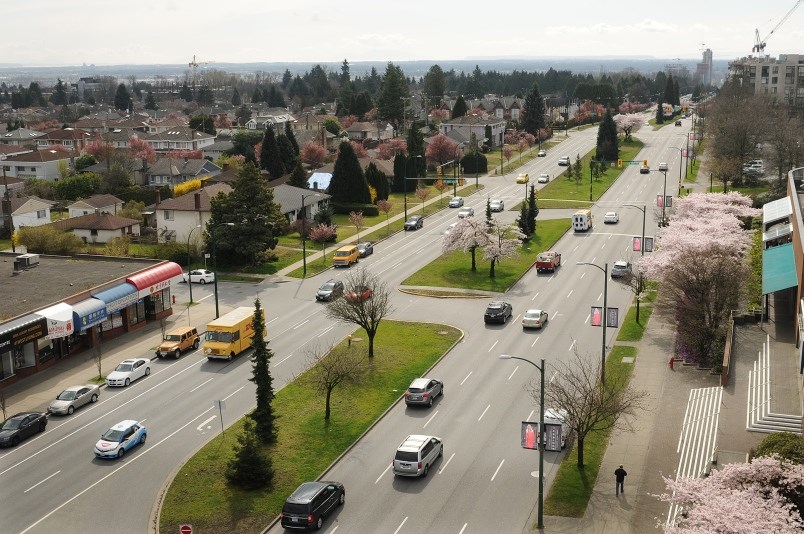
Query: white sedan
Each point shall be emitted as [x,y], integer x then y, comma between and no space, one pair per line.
[611,217]
[199,276]
[544,178]
[128,371]
[466,212]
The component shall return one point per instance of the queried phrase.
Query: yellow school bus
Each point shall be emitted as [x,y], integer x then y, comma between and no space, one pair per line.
[230,334]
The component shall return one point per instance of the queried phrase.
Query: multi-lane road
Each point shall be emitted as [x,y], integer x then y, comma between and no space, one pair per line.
[484,481]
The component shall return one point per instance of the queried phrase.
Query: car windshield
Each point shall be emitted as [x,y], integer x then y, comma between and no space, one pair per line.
[124,367]
[12,424]
[172,337]
[329,286]
[112,435]
[495,306]
[66,395]
[533,314]
[412,220]
[223,337]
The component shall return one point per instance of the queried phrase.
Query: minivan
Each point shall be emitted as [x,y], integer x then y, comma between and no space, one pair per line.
[307,507]
[346,256]
[416,454]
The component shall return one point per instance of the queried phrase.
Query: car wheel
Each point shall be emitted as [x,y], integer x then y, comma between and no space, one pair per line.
[231,356]
[175,356]
[94,398]
[15,441]
[127,382]
[147,371]
[203,282]
[70,410]
[195,344]
[319,523]
[426,470]
[121,452]
[430,401]
[342,498]
[142,439]
[441,451]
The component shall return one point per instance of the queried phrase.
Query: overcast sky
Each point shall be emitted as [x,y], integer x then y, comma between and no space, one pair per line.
[109,32]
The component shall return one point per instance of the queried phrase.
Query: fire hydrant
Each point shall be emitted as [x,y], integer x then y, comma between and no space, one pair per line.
[671,362]
[349,340]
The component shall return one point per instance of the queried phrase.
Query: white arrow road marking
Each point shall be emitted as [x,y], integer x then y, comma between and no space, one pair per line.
[202,425]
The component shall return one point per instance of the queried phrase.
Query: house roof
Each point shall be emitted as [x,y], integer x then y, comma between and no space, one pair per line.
[72,134]
[187,202]
[92,221]
[179,133]
[12,150]
[219,146]
[22,134]
[39,156]
[96,202]
[36,203]
[169,122]
[182,167]
[289,197]
[474,120]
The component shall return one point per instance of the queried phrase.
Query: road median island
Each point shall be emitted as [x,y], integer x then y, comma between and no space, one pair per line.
[306,445]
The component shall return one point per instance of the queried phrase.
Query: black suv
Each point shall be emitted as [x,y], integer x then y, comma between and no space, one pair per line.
[307,507]
[498,312]
[414,223]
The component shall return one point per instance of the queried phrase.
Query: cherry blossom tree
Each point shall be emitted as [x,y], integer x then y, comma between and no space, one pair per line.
[422,193]
[322,234]
[503,242]
[312,154]
[357,220]
[468,235]
[439,115]
[765,495]
[222,120]
[99,149]
[507,152]
[360,150]
[391,148]
[186,154]
[628,124]
[440,149]
[348,121]
[385,207]
[521,146]
[139,149]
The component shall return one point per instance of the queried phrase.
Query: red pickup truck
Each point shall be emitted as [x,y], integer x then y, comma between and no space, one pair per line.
[548,261]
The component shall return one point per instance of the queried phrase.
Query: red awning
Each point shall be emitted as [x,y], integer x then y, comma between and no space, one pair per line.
[160,273]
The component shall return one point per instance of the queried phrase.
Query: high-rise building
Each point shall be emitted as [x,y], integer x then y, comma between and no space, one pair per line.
[780,79]
[703,70]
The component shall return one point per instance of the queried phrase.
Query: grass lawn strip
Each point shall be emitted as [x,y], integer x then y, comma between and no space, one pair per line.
[306,444]
[631,330]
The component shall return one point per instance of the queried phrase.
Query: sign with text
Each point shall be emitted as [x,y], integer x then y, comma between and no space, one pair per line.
[612,316]
[648,244]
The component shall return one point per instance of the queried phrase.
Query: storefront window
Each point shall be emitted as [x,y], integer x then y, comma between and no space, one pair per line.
[6,365]
[24,356]
[45,350]
[136,312]
[157,301]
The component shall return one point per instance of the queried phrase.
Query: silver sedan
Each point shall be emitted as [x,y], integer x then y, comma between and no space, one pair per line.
[74,397]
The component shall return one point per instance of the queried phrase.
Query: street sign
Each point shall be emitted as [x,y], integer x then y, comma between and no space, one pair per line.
[186,529]
[648,244]
[612,316]
[449,182]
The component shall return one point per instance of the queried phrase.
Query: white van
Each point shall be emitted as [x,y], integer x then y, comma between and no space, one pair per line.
[582,220]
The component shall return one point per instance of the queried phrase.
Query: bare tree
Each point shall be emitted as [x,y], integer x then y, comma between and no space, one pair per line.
[97,354]
[385,207]
[355,308]
[441,186]
[591,406]
[332,366]
[422,193]
[356,218]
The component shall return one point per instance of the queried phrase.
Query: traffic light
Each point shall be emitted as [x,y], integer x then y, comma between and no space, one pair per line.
[619,164]
[645,163]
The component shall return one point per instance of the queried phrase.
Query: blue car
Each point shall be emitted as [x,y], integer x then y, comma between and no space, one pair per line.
[120,438]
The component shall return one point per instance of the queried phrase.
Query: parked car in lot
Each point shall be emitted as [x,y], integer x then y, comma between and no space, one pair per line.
[177,341]
[564,161]
[542,153]
[365,249]
[466,212]
[73,398]
[456,202]
[496,205]
[128,371]
[311,503]
[329,290]
[21,426]
[534,319]
[423,391]
[414,223]
[611,217]
[358,294]
[523,178]
[498,311]
[119,439]
[621,269]
[199,276]
[543,178]
[416,454]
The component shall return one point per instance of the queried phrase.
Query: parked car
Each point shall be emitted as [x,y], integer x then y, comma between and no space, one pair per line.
[358,294]
[678,123]
[414,223]
[128,371]
[311,503]
[621,269]
[542,153]
[365,249]
[177,341]
[496,205]
[199,276]
[523,178]
[564,161]
[73,398]
[534,319]
[456,202]
[466,212]
[611,217]
[21,426]
[423,391]
[416,454]
[543,178]
[498,311]
[119,439]
[329,290]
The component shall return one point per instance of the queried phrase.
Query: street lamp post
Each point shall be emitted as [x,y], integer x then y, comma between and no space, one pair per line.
[215,263]
[407,160]
[540,508]
[189,259]
[8,219]
[605,271]
[304,237]
[680,162]
[664,194]
[643,210]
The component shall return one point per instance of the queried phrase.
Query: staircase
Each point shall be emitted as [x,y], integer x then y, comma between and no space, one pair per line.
[759,415]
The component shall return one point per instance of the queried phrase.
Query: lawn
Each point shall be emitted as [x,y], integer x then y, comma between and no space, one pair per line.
[572,487]
[454,269]
[563,192]
[306,444]
[630,329]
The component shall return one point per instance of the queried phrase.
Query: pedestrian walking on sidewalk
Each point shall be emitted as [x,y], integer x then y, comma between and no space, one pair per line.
[619,476]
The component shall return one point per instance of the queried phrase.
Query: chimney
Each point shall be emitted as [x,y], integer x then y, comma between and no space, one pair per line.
[225,167]
[97,211]
[197,201]
[158,197]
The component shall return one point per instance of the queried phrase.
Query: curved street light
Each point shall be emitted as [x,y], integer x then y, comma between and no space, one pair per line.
[189,260]
[215,262]
[304,237]
[605,271]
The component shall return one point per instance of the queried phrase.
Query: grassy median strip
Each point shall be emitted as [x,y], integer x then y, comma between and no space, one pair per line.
[306,444]
[631,330]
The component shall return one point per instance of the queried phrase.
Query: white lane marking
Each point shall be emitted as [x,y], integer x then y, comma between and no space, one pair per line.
[130,461]
[553,377]
[325,331]
[400,525]
[576,248]
[599,297]
[484,412]
[495,344]
[201,426]
[42,481]
[583,274]
[205,298]
[534,296]
[571,345]
[333,530]
[467,378]
[603,246]
[570,293]
[269,322]
[201,384]
[284,359]
[446,463]
[464,528]
[587,318]
[431,418]
[551,278]
[301,324]
[534,341]
[394,266]
[383,473]
[512,372]
[232,394]
[498,470]
[530,415]
[593,259]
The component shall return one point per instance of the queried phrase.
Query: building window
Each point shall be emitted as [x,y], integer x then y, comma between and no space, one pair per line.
[41,214]
[168,215]
[93,232]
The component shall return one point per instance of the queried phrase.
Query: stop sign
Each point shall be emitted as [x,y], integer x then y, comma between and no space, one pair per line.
[186,529]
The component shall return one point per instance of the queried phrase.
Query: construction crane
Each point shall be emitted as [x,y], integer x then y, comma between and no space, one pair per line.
[759,44]
[194,65]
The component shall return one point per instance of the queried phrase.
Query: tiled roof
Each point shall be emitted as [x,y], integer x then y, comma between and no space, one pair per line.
[91,221]
[96,201]
[21,134]
[289,198]
[179,133]
[39,156]
[187,202]
[180,167]
[68,133]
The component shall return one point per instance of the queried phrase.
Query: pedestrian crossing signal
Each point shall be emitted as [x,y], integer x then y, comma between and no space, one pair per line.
[619,164]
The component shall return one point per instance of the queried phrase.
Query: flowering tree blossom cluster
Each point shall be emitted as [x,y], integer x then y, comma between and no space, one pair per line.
[312,154]
[628,124]
[515,137]
[186,154]
[139,149]
[348,121]
[222,121]
[586,109]
[391,148]
[497,241]
[632,107]
[441,149]
[503,242]
[439,115]
[99,149]
[765,495]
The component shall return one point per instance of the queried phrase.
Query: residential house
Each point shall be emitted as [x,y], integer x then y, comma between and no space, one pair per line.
[216,149]
[99,227]
[42,164]
[13,184]
[372,131]
[21,136]
[73,139]
[177,217]
[275,118]
[91,125]
[173,171]
[475,125]
[27,211]
[138,169]
[95,204]
[290,201]
[179,138]
[168,123]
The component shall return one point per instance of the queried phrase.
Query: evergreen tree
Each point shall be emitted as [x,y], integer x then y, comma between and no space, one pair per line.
[59,96]
[150,102]
[607,140]
[459,109]
[287,77]
[489,217]
[668,90]
[578,168]
[256,96]
[416,148]
[122,99]
[243,114]
[270,157]
[378,180]
[205,96]
[398,184]
[186,93]
[298,178]
[203,123]
[292,138]
[263,415]
[286,152]
[676,93]
[660,112]
[533,113]
[533,211]
[390,103]
[236,98]
[250,468]
[361,103]
[273,97]
[522,221]
[34,96]
[435,84]
[487,135]
[348,184]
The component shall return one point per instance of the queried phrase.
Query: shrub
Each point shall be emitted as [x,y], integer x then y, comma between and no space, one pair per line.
[250,468]
[48,240]
[369,210]
[787,445]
